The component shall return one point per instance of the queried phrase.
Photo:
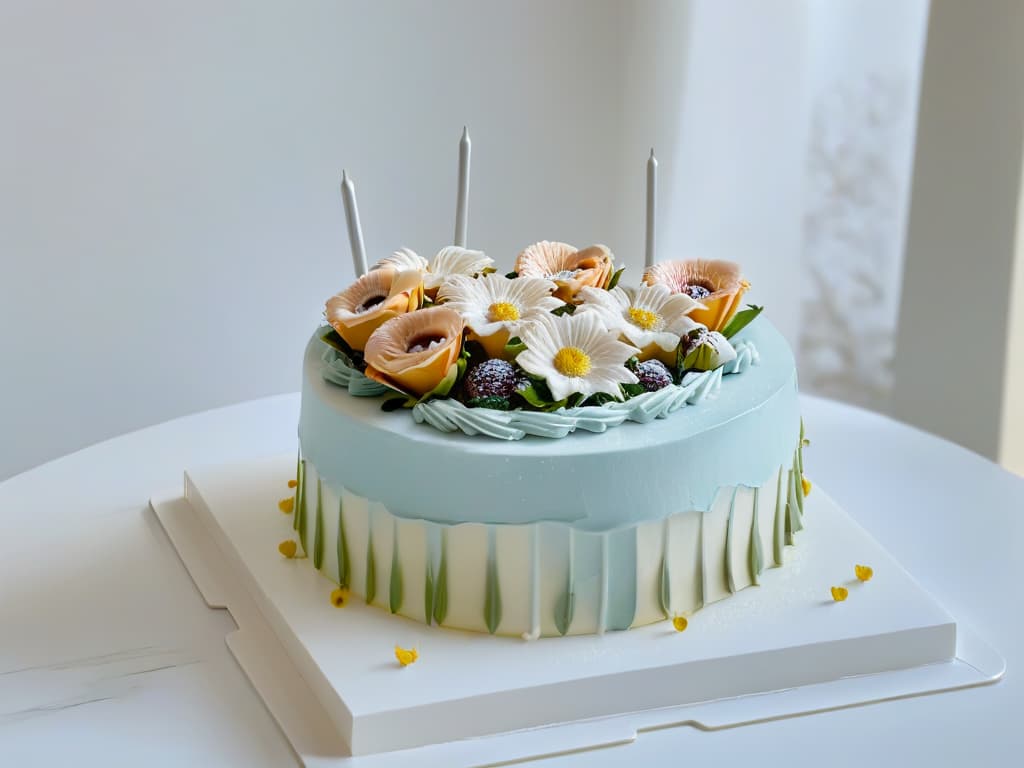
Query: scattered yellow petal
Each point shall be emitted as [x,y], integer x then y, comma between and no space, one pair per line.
[292,483]
[679,623]
[406,656]
[339,597]
[864,572]
[839,594]
[806,484]
[287,548]
[287,505]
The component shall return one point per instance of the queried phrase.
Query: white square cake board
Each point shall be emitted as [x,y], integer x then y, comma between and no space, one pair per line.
[330,679]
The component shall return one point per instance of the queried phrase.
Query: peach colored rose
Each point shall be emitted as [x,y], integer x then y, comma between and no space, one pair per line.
[413,353]
[718,285]
[372,300]
[569,268]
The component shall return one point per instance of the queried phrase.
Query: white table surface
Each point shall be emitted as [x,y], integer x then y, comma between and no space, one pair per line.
[108,655]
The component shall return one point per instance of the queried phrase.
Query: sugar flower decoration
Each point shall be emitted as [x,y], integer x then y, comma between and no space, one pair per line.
[840,593]
[569,268]
[448,262]
[497,308]
[863,572]
[679,623]
[339,597]
[650,317]
[372,300]
[718,285]
[576,354]
[415,353]
[287,505]
[406,656]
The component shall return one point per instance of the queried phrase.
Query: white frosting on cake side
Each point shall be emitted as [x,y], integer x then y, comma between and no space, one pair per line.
[544,578]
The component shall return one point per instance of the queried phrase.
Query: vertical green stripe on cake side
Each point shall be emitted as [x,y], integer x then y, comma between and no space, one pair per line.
[565,606]
[780,521]
[622,588]
[395,591]
[799,488]
[371,566]
[428,594]
[344,566]
[756,556]
[492,589]
[302,513]
[729,579]
[794,521]
[664,578]
[318,531]
[298,495]
[441,589]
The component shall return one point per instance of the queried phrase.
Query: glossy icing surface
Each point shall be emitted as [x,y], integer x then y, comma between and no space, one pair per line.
[589,481]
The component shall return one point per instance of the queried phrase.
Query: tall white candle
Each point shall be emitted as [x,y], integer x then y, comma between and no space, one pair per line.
[462,197]
[355,232]
[652,204]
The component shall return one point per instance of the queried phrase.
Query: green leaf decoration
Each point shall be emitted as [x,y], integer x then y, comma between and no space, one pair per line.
[632,390]
[633,363]
[564,608]
[565,309]
[598,398]
[741,320]
[492,595]
[394,403]
[664,588]
[428,595]
[614,279]
[371,569]
[534,395]
[443,387]
[700,358]
[318,531]
[512,275]
[395,593]
[441,590]
[344,566]
[494,402]
[332,338]
[514,346]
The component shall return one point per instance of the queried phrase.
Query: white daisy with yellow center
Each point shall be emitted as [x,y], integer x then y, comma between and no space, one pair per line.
[448,262]
[496,307]
[576,354]
[650,317]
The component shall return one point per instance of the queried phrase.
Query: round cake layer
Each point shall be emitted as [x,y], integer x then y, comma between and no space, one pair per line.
[547,579]
[590,481]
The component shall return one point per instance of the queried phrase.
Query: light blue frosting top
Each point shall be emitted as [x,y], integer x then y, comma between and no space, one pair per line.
[595,481]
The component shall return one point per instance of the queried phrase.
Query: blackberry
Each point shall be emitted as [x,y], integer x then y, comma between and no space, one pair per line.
[697,292]
[653,375]
[492,378]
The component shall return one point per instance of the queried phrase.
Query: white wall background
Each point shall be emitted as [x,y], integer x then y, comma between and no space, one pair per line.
[169,216]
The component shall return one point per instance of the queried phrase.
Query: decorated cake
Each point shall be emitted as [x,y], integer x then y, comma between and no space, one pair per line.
[544,448]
